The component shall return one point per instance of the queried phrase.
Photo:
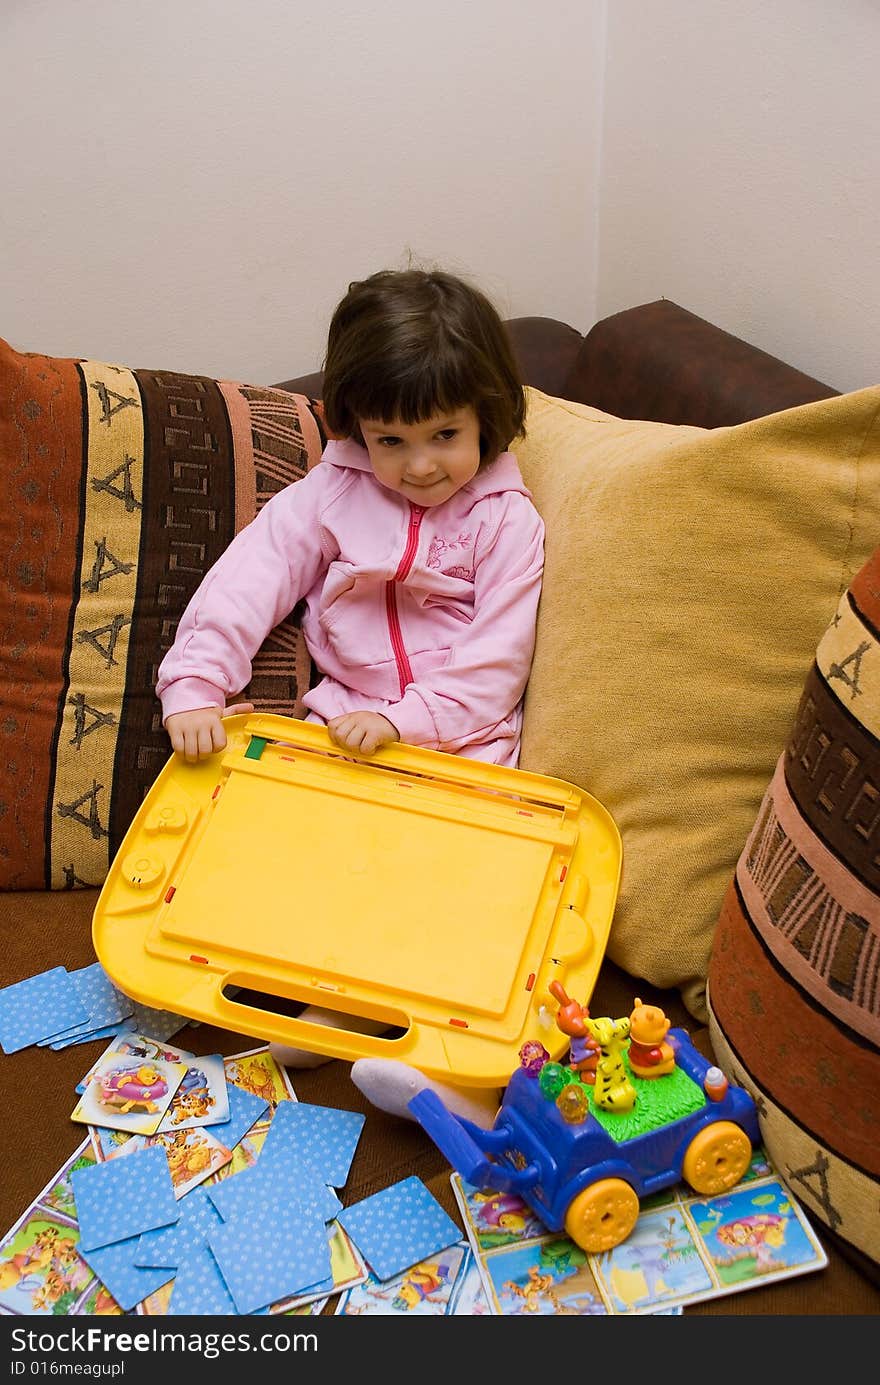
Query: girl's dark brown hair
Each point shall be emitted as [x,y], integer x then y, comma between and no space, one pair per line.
[408,344]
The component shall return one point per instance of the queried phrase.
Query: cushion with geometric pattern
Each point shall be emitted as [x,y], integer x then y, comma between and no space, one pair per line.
[121,488]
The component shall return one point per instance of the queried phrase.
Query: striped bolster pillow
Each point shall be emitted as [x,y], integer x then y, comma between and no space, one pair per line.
[794,978]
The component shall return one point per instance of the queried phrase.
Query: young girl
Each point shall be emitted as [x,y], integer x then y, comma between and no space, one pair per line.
[414,545]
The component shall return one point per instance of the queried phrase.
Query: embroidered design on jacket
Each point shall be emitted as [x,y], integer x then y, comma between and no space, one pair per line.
[438,550]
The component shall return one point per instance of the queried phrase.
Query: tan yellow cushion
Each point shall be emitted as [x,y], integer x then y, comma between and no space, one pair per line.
[689,575]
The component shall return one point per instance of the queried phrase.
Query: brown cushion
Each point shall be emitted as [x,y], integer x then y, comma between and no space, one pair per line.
[122,487]
[689,574]
[794,978]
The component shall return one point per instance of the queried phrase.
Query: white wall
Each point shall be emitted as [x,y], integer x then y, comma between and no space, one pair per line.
[193,183]
[741,173]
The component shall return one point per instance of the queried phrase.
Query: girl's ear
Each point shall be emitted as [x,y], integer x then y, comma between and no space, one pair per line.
[318,408]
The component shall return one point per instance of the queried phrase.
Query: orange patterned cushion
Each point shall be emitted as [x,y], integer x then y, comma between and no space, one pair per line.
[122,487]
[794,978]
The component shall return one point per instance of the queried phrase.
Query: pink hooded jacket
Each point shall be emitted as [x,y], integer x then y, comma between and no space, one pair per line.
[426,615]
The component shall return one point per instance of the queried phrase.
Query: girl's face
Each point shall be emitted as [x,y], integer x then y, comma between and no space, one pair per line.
[425,462]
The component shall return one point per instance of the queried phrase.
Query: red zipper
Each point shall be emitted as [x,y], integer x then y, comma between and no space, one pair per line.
[404,672]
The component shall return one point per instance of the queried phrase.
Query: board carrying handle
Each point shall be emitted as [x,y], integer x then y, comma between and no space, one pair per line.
[248,1008]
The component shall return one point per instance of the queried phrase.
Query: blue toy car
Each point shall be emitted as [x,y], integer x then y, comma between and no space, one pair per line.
[585,1174]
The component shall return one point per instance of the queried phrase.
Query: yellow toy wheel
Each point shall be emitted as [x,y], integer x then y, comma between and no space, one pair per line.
[602,1215]
[716,1158]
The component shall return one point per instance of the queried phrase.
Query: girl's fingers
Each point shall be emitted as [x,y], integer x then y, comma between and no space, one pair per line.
[238,708]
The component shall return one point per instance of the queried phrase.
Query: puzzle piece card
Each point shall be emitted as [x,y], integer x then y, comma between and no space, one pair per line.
[267,1189]
[270,1259]
[123,1198]
[201,1099]
[245,1109]
[40,1270]
[468,1297]
[542,1277]
[754,1234]
[106,1031]
[167,1247]
[495,1219]
[193,1156]
[399,1226]
[125,1281]
[57,1195]
[319,1139]
[37,1007]
[104,1004]
[256,1071]
[424,1290]
[128,1094]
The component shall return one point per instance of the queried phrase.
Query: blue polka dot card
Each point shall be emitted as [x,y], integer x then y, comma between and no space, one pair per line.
[199,1288]
[266,1189]
[123,1197]
[398,1227]
[104,1004]
[85,1036]
[245,1109]
[168,1246]
[37,1007]
[125,1281]
[272,1259]
[315,1138]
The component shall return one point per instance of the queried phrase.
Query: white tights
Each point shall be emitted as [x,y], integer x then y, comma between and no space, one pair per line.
[387,1083]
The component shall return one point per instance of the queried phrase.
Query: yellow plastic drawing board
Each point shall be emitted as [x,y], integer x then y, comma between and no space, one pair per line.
[434,893]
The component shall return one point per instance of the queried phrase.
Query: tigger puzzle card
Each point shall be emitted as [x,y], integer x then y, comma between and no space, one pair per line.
[202,1098]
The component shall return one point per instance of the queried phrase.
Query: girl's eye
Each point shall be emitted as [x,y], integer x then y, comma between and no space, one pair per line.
[447,433]
[388,442]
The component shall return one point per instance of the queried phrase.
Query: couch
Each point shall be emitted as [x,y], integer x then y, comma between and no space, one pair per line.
[656,362]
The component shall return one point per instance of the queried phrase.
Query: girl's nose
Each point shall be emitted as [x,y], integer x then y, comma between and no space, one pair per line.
[420,464]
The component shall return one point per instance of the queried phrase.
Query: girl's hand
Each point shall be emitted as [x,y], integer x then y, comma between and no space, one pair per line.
[194,735]
[363,731]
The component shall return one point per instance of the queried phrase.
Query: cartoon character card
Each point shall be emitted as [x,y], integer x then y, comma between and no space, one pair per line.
[128,1093]
[495,1219]
[256,1071]
[543,1277]
[40,1271]
[682,1249]
[423,1290]
[142,1046]
[202,1098]
[468,1297]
